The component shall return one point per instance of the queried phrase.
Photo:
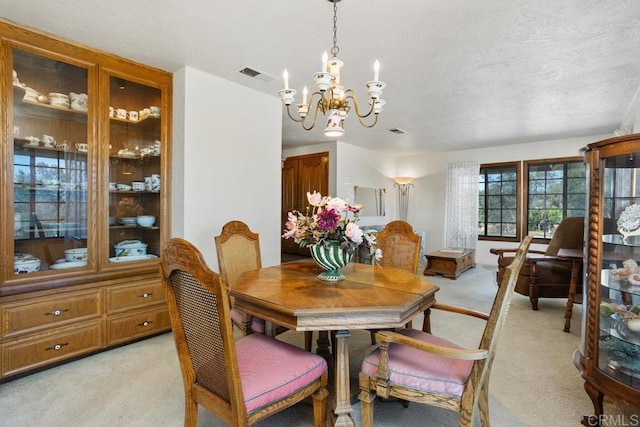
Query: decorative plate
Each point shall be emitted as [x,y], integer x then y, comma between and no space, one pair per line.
[629,219]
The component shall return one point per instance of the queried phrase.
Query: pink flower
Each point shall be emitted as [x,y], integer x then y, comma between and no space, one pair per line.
[328,219]
[314,199]
[292,225]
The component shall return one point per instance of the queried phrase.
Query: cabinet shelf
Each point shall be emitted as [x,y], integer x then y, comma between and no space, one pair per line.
[146,120]
[41,109]
[130,227]
[132,192]
[615,327]
[621,285]
[616,239]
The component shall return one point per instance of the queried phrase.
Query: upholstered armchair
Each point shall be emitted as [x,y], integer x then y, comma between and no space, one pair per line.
[543,274]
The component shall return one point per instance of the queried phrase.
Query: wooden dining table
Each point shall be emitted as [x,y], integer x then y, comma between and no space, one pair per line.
[370,297]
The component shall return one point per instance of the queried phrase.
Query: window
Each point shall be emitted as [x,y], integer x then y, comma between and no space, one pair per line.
[498,208]
[556,189]
[45,194]
[551,189]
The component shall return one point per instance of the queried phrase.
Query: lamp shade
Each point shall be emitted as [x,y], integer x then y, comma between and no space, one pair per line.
[403,180]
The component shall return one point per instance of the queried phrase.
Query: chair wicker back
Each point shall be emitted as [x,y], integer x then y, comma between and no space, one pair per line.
[400,249]
[400,246]
[238,250]
[199,310]
[211,372]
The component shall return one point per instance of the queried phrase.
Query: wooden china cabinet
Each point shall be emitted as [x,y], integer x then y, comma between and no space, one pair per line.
[609,354]
[84,199]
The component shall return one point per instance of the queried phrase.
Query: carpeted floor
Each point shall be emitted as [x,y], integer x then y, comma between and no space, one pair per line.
[533,381]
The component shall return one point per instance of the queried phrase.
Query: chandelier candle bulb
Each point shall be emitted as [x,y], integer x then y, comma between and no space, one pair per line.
[376,71]
[304,95]
[325,57]
[285,76]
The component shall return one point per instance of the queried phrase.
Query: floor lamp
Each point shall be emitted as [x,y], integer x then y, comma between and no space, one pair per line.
[403,183]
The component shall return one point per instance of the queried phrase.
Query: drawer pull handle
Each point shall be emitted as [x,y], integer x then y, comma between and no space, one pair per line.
[145,295]
[55,312]
[145,323]
[57,347]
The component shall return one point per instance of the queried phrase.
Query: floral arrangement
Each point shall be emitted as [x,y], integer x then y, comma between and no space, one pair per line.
[329,219]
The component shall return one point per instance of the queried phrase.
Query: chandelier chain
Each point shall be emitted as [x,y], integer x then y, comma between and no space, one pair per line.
[335,49]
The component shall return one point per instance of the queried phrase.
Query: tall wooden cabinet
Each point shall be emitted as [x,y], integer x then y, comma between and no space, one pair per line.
[609,354]
[302,174]
[84,199]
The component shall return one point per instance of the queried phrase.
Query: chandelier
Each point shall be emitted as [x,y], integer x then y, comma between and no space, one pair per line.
[331,99]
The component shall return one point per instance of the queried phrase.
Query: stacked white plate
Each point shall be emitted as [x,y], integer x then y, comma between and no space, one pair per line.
[64,264]
[128,220]
[132,258]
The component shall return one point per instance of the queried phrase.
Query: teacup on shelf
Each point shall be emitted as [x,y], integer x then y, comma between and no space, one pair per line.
[49,141]
[33,140]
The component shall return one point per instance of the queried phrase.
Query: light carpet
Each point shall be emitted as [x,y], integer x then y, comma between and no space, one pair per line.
[533,380]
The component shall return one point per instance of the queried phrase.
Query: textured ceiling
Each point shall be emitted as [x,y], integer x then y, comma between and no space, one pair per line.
[459,74]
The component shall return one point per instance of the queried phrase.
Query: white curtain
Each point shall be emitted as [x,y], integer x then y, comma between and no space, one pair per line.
[461,206]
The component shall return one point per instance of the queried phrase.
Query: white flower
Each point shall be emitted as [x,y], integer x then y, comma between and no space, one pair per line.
[337,204]
[354,233]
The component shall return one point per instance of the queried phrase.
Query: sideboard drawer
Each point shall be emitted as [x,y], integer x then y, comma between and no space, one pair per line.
[139,295]
[26,354]
[40,313]
[125,328]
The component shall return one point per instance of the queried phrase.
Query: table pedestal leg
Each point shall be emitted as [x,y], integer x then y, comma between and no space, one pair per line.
[343,407]
[323,345]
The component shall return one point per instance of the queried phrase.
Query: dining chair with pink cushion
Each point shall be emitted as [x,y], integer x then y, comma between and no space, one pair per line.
[416,366]
[238,250]
[243,381]
[400,247]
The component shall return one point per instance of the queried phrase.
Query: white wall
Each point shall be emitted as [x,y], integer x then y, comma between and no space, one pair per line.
[366,168]
[430,171]
[226,162]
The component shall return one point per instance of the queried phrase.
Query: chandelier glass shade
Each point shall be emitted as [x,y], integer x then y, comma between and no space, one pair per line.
[331,98]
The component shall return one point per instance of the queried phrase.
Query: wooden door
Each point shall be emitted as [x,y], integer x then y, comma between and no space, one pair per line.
[302,174]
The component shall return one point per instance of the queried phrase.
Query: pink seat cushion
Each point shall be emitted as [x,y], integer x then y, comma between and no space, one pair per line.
[271,370]
[420,370]
[257,325]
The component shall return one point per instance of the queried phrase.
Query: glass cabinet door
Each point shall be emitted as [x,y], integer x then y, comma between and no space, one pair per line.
[50,164]
[134,171]
[619,311]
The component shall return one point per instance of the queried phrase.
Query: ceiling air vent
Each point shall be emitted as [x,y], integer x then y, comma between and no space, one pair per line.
[397,131]
[253,73]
